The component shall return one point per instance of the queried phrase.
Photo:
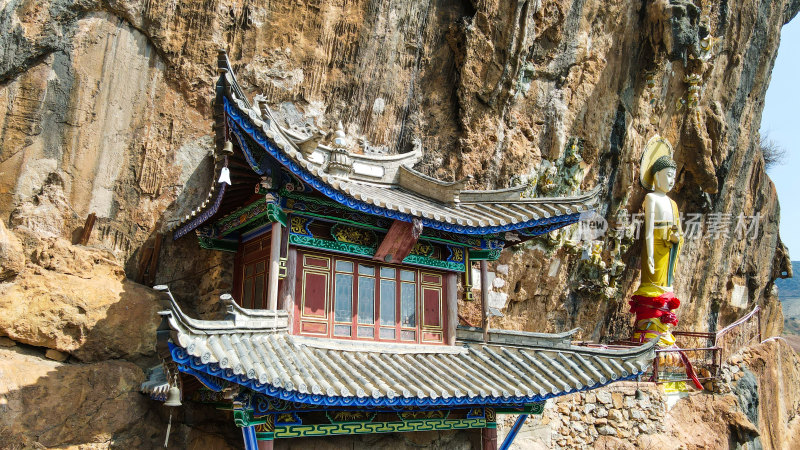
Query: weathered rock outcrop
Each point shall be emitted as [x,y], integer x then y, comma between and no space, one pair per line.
[47,404]
[756,406]
[58,404]
[104,108]
[12,259]
[90,124]
[77,300]
[759,410]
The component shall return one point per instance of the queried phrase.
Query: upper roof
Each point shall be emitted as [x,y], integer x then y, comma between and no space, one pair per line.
[384,185]
[253,348]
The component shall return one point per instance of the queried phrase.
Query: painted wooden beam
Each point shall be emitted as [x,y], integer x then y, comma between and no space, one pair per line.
[398,242]
[87,229]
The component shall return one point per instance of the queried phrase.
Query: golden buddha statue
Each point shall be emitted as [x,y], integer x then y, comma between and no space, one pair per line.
[654,300]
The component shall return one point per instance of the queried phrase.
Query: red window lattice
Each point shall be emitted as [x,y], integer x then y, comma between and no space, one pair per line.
[349,298]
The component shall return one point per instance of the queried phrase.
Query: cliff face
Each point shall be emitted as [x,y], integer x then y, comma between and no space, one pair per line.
[755,406]
[105,109]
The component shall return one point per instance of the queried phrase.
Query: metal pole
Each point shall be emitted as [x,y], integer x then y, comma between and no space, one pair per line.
[512,433]
[249,436]
[484,300]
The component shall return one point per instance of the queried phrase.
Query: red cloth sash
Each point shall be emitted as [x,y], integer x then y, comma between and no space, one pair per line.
[656,307]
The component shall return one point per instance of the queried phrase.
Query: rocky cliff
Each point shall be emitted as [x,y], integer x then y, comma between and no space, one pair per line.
[105,109]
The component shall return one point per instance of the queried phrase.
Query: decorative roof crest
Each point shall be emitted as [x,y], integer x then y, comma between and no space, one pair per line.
[339,162]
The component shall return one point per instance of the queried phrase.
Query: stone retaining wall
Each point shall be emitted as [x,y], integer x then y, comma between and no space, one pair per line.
[622,410]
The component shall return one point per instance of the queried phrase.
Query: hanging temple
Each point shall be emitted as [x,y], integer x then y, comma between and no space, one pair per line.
[343,317]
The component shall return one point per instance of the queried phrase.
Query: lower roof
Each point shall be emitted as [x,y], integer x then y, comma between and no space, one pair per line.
[255,350]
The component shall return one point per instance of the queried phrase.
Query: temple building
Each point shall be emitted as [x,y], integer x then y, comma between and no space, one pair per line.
[343,318]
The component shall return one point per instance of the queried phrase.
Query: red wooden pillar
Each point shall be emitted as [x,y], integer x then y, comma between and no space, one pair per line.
[489,439]
[265,445]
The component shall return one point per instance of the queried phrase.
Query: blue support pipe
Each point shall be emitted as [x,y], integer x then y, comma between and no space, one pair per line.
[249,435]
[513,432]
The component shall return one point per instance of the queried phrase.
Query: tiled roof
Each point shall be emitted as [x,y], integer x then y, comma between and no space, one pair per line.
[253,348]
[494,212]
[478,212]
[377,184]
[156,385]
[386,184]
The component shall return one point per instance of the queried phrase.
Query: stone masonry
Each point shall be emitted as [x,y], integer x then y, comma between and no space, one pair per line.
[623,410]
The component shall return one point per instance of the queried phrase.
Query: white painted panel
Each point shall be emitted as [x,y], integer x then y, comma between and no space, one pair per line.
[368,170]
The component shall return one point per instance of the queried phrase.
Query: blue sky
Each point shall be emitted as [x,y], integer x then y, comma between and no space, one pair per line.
[781,121]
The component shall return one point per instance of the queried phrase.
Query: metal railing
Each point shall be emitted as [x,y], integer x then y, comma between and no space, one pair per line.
[739,334]
[706,352]
[669,365]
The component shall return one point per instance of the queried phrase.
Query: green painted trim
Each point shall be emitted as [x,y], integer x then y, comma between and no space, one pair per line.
[323,244]
[430,262]
[273,213]
[335,219]
[424,238]
[405,416]
[217,244]
[265,436]
[532,408]
[316,200]
[346,428]
[337,206]
[221,406]
[244,418]
[258,222]
[372,237]
[366,225]
[440,240]
[370,417]
[485,254]
[362,250]
[420,245]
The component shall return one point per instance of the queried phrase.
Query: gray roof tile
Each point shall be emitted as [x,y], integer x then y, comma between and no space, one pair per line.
[268,356]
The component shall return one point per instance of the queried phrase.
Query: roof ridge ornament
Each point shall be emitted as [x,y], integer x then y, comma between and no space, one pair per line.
[444,191]
[388,186]
[340,164]
[237,319]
